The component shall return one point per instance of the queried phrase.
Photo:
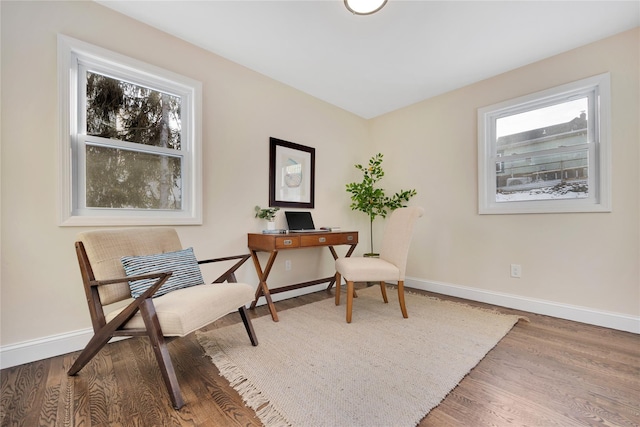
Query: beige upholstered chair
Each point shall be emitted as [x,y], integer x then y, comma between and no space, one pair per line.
[173,314]
[390,265]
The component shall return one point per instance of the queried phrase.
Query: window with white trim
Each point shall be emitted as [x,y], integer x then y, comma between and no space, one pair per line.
[130,140]
[547,152]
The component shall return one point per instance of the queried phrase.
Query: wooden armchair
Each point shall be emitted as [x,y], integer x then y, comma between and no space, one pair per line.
[173,314]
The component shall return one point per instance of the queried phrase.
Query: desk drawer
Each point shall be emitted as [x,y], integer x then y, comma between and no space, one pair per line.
[287,242]
[329,239]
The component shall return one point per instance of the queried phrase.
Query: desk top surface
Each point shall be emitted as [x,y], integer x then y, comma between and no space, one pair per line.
[302,233]
[291,240]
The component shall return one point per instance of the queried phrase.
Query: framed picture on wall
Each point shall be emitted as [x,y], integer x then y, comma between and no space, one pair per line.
[291,174]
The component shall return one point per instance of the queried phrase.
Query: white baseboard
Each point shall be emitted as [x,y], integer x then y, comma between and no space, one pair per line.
[622,322]
[56,345]
[42,348]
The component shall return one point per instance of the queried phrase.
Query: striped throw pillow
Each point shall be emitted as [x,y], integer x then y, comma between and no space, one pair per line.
[183,264]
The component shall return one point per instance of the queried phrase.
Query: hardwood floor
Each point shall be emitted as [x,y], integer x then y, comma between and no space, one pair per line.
[546,372]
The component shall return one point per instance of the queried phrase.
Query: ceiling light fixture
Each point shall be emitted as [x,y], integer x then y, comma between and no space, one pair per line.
[364,7]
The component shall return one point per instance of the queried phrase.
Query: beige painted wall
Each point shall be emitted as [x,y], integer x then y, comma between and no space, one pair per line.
[586,259]
[589,260]
[41,288]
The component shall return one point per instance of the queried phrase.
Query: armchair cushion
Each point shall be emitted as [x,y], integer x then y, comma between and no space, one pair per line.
[183,264]
[186,310]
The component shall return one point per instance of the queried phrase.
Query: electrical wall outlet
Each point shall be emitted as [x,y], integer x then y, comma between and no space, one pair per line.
[516,271]
[287,265]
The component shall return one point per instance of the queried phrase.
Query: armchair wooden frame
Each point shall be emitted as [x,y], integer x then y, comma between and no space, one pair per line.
[104,331]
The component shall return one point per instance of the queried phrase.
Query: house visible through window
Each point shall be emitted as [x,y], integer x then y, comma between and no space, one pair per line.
[547,152]
[133,139]
[548,162]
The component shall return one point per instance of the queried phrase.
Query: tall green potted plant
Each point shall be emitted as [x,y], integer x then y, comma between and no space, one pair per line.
[365,197]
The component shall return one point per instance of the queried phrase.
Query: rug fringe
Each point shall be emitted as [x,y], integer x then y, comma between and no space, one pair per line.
[251,395]
[271,417]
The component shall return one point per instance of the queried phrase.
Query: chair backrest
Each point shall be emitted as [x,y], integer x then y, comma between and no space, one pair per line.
[105,248]
[397,236]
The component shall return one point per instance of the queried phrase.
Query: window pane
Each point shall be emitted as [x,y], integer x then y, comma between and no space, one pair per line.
[127,112]
[547,151]
[558,125]
[556,176]
[127,179]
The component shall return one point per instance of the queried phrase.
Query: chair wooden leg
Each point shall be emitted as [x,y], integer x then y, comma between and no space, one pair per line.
[383,289]
[248,325]
[338,285]
[349,300]
[99,339]
[403,306]
[148,312]
[93,347]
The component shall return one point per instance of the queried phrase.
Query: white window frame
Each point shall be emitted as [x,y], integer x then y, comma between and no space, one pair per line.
[599,146]
[73,56]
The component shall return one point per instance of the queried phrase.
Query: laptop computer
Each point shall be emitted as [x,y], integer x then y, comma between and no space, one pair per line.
[300,222]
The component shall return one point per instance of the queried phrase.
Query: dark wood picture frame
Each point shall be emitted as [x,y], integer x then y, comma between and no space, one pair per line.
[292,170]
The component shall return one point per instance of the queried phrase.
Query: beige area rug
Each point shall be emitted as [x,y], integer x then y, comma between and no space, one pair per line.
[313,369]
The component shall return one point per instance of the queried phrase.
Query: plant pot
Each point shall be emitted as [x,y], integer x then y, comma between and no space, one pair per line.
[271,225]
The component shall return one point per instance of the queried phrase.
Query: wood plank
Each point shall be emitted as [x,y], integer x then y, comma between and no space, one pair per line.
[23,388]
[65,406]
[52,393]
[207,386]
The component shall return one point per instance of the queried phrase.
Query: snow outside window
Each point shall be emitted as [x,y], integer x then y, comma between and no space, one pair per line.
[130,140]
[547,152]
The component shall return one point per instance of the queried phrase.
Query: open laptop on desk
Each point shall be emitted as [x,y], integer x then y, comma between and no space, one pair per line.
[301,222]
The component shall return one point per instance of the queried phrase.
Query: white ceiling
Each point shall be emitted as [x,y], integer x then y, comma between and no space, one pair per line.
[407,52]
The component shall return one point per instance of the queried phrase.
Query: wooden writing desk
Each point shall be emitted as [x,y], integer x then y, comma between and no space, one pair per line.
[273,243]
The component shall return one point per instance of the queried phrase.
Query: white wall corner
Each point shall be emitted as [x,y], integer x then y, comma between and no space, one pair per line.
[622,322]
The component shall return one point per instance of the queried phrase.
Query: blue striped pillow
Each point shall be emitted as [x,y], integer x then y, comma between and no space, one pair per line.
[184,265]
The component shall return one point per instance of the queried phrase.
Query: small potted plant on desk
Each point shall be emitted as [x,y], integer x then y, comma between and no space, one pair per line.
[269,214]
[372,201]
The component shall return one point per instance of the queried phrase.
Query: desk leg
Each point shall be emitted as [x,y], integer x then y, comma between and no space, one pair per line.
[263,289]
[335,256]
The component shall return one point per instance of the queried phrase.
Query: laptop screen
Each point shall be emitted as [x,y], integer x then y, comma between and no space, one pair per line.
[299,220]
